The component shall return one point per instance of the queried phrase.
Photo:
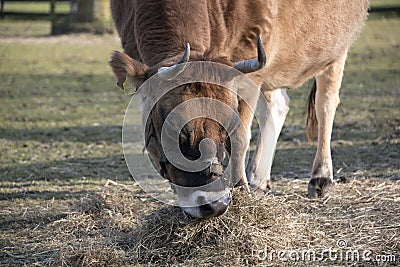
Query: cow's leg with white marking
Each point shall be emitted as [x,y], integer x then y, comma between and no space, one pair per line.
[240,139]
[271,123]
[326,101]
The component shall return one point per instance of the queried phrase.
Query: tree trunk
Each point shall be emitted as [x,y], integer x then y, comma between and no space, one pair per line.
[85,10]
[102,10]
[90,10]
[86,16]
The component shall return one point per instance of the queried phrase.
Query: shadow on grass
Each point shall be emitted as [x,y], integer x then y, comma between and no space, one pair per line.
[376,128]
[70,169]
[17,223]
[83,134]
[294,162]
[369,159]
[42,195]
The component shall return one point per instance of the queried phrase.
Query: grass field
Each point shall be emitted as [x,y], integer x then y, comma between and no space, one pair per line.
[67,198]
[65,7]
[32,7]
[375,3]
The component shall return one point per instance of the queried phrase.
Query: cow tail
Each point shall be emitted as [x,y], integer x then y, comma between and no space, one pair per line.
[311,120]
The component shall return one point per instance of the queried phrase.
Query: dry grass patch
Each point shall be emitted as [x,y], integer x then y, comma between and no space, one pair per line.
[117,226]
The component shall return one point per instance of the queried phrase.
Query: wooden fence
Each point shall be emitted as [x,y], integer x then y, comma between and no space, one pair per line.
[50,15]
[385,9]
[81,16]
[74,9]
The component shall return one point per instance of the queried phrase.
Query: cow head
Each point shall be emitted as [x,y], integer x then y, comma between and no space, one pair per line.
[201,190]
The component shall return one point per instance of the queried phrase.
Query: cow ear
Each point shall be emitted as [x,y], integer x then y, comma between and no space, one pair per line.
[124,66]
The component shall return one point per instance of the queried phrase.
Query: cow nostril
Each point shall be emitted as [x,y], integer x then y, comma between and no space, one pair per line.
[206,210]
[215,208]
[220,208]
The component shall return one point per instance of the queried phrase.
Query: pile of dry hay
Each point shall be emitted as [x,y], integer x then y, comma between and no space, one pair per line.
[120,226]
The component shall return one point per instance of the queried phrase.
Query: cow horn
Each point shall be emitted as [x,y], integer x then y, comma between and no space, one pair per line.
[251,65]
[168,73]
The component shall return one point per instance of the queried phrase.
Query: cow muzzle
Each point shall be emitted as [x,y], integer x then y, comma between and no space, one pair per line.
[204,204]
[215,208]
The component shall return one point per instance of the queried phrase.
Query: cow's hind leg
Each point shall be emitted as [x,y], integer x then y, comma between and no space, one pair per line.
[326,100]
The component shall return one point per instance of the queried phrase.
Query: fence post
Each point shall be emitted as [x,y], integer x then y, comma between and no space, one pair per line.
[53,15]
[2,9]
[74,7]
[85,12]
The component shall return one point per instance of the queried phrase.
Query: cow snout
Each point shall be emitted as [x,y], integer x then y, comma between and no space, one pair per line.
[215,208]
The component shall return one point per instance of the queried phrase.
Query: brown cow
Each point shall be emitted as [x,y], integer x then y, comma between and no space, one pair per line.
[302,39]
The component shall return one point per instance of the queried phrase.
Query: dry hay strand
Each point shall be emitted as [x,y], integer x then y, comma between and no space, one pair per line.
[95,233]
[167,236]
[91,252]
[359,212]
[119,226]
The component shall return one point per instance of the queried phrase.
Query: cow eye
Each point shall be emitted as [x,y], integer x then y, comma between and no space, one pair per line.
[183,136]
[224,136]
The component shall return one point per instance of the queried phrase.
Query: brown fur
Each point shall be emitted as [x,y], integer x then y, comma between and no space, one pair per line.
[302,39]
[122,66]
[311,119]
[193,132]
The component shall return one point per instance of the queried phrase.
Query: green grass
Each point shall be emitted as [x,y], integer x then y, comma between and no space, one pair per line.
[61,94]
[61,117]
[65,7]
[383,3]
[35,7]
[33,19]
[13,28]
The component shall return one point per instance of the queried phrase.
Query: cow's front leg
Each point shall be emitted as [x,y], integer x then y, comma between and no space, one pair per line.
[271,121]
[240,140]
[326,100]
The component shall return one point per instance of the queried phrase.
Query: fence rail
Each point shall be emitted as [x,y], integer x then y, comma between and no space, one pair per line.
[385,9]
[51,14]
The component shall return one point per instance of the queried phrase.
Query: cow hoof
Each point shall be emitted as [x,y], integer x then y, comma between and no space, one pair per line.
[265,187]
[319,187]
[243,188]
